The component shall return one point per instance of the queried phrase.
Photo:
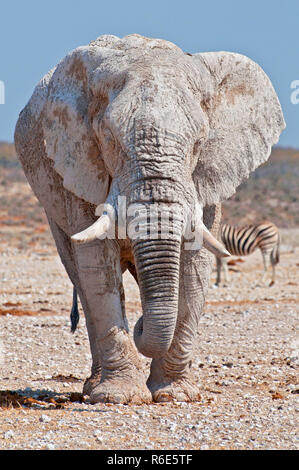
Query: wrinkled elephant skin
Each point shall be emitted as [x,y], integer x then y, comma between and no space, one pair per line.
[140,119]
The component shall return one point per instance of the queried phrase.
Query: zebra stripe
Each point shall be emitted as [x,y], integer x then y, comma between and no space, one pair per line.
[242,241]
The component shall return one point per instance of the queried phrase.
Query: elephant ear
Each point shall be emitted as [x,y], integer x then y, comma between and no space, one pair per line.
[245,120]
[67,126]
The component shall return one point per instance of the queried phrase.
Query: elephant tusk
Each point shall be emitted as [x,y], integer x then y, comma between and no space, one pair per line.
[95,231]
[212,244]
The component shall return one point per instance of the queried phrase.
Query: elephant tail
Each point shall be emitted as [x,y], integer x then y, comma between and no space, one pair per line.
[74,316]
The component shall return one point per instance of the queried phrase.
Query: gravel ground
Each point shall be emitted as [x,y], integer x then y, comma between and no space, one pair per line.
[246,362]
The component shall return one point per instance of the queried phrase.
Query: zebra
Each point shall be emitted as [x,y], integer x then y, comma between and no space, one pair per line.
[242,241]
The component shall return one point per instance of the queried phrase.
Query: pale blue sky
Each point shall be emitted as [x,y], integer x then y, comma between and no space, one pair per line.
[35,35]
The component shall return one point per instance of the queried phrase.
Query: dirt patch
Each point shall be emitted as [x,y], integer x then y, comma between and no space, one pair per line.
[13,399]
[20,313]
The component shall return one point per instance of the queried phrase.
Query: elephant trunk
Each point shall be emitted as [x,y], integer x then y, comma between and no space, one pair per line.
[158,268]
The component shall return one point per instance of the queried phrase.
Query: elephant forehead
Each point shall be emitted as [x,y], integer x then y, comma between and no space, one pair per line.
[108,62]
[152,101]
[117,69]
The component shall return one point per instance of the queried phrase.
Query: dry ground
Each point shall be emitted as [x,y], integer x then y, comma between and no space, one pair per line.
[246,359]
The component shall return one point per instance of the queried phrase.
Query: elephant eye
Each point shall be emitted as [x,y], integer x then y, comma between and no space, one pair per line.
[196,146]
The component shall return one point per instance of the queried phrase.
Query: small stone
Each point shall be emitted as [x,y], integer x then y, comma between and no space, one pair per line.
[45,419]
[228,364]
[98,436]
[50,446]
[8,434]
[277,396]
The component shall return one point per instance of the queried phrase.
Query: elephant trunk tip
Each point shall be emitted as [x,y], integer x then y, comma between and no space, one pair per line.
[156,350]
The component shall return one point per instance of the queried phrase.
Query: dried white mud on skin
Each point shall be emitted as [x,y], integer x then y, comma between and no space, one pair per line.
[246,365]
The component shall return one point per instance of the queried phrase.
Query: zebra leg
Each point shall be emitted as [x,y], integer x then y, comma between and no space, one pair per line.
[274,260]
[219,267]
[266,260]
[225,268]
[273,276]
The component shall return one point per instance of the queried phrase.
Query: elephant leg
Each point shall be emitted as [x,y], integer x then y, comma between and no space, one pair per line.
[170,375]
[122,375]
[65,250]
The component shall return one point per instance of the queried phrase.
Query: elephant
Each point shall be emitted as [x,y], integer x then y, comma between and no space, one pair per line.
[139,120]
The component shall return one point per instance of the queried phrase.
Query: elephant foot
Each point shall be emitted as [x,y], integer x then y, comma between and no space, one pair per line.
[120,391]
[182,389]
[122,375]
[91,382]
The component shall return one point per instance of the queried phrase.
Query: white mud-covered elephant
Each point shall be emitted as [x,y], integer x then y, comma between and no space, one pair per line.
[139,120]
